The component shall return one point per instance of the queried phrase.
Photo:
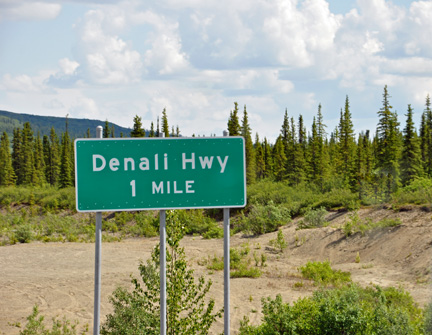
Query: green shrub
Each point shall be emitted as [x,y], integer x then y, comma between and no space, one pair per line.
[428,319]
[189,311]
[213,231]
[347,310]
[355,224]
[314,218]
[266,218]
[322,274]
[23,233]
[240,263]
[279,242]
[36,326]
[418,192]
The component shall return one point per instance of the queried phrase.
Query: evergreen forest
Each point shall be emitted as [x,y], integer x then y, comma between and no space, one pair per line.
[371,165]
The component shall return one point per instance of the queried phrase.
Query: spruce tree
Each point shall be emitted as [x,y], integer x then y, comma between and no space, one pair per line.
[137,130]
[411,165]
[259,158]
[364,165]
[268,159]
[289,146]
[106,130]
[303,145]
[388,146]
[39,162]
[65,179]
[52,157]
[234,128]
[298,173]
[16,155]
[426,138]
[165,127]
[27,156]
[347,147]
[318,157]
[7,174]
[152,131]
[279,160]
[249,149]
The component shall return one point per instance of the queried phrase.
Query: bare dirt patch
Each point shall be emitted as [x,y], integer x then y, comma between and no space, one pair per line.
[59,277]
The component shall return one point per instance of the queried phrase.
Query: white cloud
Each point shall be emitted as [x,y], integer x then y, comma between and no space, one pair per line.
[85,107]
[419,27]
[166,56]
[53,104]
[297,33]
[28,10]
[107,58]
[21,83]
[67,66]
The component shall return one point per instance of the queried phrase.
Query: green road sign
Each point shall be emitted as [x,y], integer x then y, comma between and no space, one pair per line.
[159,173]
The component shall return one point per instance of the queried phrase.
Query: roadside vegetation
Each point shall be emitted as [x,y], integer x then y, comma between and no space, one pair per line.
[48,214]
[305,174]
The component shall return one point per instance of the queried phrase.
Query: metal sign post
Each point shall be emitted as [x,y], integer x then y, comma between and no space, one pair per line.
[98,250]
[226,214]
[162,260]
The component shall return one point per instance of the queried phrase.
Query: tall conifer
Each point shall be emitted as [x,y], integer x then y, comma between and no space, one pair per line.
[250,151]
[137,130]
[7,174]
[65,179]
[411,165]
[388,146]
[27,156]
[279,160]
[234,128]
[347,147]
[165,127]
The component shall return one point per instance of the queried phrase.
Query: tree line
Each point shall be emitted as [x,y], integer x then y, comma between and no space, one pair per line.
[368,164]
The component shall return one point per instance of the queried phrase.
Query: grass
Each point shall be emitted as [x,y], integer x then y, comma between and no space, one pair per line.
[241,264]
[322,274]
[355,224]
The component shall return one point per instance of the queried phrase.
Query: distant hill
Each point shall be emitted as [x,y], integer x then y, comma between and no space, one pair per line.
[77,127]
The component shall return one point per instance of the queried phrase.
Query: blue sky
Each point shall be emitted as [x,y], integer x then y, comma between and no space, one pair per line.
[110,59]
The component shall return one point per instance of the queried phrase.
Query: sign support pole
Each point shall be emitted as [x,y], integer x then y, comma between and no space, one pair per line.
[162,260]
[226,217]
[98,250]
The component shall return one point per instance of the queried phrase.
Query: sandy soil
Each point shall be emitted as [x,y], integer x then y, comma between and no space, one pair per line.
[59,277]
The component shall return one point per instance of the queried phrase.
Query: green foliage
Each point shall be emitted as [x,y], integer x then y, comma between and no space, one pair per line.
[355,224]
[145,224]
[36,326]
[279,242]
[23,233]
[314,218]
[418,192]
[302,197]
[428,319]
[322,274]
[240,263]
[189,311]
[347,310]
[196,222]
[266,218]
[49,198]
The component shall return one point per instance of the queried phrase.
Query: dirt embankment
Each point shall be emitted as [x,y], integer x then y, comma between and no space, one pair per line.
[59,277]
